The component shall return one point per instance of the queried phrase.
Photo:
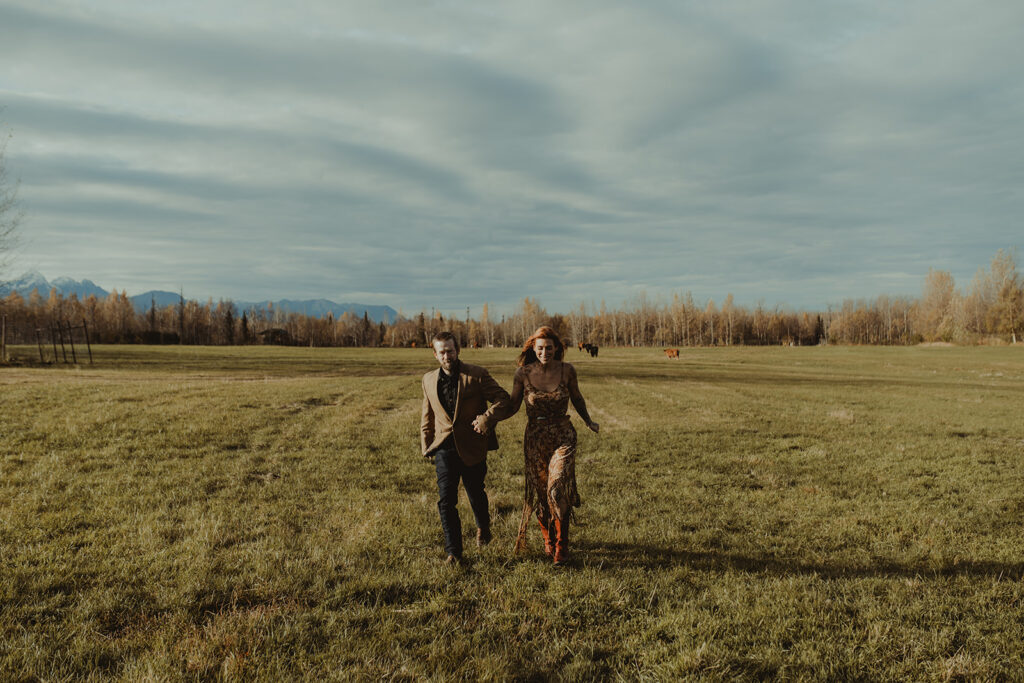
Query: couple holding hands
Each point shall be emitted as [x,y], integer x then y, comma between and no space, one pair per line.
[457,430]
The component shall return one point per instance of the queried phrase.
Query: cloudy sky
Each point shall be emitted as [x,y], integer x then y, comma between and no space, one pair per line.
[447,154]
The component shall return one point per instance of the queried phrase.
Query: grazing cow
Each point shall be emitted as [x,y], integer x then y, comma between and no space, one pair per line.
[672,353]
[581,345]
[593,350]
[589,348]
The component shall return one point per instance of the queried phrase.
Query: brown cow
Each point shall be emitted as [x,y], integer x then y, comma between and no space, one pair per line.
[672,353]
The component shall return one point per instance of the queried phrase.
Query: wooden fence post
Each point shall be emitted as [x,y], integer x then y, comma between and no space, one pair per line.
[71,340]
[85,328]
[40,343]
[60,335]
[53,341]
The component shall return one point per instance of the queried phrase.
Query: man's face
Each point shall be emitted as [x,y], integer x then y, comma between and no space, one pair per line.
[446,354]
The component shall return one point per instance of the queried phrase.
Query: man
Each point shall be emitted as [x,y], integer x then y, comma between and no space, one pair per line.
[457,430]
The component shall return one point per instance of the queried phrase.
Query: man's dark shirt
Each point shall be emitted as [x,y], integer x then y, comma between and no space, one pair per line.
[448,389]
[447,394]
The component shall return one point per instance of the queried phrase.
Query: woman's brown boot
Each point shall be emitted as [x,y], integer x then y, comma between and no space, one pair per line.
[561,542]
[549,548]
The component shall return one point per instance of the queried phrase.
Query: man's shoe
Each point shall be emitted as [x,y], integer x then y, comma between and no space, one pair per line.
[483,537]
[453,560]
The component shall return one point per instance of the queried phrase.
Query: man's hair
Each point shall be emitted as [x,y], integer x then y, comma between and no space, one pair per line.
[443,336]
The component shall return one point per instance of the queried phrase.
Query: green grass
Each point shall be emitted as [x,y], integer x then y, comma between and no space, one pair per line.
[749,513]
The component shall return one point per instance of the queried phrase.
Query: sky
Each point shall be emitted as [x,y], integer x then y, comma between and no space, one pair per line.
[446,154]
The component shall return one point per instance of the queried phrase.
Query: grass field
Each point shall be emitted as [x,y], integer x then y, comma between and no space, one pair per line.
[749,513]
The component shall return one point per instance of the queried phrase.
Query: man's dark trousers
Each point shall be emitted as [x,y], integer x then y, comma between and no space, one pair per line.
[450,469]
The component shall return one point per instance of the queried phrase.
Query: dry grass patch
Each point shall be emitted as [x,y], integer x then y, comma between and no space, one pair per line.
[817,513]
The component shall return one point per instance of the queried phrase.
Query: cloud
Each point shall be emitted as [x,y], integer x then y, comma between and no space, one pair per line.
[450,154]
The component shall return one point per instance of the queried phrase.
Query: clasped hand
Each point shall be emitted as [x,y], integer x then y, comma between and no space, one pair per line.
[480,424]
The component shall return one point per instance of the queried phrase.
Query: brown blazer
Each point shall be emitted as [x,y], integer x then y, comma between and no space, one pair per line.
[476,389]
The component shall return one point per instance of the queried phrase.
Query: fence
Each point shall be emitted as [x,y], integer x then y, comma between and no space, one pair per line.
[60,333]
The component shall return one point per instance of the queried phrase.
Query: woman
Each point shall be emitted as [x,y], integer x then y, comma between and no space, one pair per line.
[547,384]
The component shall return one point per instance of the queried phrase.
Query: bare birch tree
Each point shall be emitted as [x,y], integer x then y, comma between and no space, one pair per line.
[1008,307]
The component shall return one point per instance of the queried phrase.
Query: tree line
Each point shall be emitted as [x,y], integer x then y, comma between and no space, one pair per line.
[989,310]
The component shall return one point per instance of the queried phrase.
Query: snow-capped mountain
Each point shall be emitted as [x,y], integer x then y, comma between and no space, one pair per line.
[65,286]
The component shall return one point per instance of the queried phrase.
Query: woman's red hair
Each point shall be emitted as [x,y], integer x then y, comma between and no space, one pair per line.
[530,356]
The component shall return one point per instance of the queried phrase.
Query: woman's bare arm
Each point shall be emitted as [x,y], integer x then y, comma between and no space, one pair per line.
[517,391]
[577,400]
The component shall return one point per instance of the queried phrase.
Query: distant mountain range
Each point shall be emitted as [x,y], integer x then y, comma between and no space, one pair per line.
[83,288]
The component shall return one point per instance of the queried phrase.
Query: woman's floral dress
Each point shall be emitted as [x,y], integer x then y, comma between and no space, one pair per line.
[550,449]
